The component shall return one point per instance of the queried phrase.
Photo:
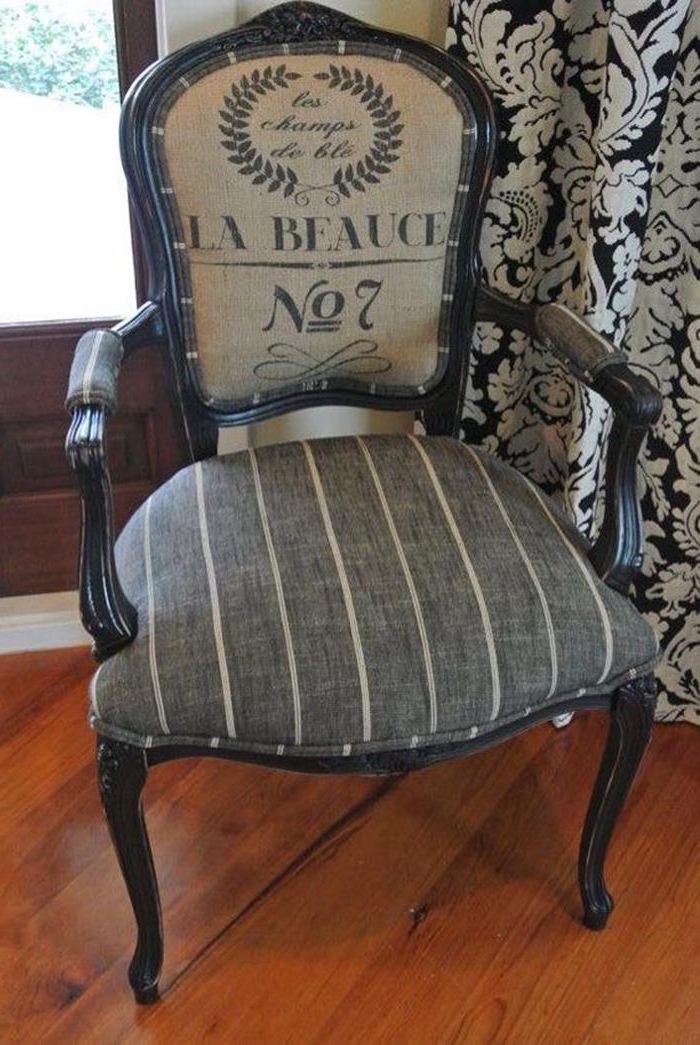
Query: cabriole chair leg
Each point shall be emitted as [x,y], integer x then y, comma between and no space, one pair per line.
[122,771]
[632,715]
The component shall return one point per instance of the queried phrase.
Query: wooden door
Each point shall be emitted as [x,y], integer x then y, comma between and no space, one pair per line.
[39,506]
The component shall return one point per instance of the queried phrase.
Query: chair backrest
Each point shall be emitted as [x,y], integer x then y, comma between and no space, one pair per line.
[310,189]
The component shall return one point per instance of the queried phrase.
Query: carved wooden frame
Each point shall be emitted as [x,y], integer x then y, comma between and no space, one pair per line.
[300,23]
[122,768]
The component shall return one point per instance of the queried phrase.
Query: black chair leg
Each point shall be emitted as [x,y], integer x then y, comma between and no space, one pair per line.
[632,715]
[122,771]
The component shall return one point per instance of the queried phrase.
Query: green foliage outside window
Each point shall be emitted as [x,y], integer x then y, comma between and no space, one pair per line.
[50,51]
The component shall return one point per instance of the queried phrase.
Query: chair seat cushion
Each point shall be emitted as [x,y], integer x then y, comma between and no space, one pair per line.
[352,595]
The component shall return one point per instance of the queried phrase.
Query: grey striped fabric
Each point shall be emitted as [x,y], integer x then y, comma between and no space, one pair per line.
[94,371]
[575,342]
[353,595]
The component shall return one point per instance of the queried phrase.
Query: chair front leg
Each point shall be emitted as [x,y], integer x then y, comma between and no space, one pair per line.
[122,771]
[632,715]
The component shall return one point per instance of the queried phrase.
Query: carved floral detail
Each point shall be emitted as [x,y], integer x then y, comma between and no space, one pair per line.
[114,760]
[303,22]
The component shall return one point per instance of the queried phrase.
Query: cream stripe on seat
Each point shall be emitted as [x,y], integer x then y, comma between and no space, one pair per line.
[347,594]
[280,597]
[152,657]
[409,582]
[586,571]
[214,600]
[528,566]
[476,586]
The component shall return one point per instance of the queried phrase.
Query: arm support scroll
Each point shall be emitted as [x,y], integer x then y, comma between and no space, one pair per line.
[105,610]
[636,405]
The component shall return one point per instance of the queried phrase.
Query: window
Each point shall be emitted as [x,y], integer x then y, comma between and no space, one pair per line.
[66,266]
[66,249]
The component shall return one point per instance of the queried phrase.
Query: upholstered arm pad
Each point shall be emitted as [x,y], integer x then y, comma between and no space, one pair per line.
[93,375]
[92,393]
[572,340]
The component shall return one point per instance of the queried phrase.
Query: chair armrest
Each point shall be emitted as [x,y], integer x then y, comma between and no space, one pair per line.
[574,342]
[636,404]
[94,371]
[105,610]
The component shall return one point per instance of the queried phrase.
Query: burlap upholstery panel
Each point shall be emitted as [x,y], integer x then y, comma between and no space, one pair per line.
[315,201]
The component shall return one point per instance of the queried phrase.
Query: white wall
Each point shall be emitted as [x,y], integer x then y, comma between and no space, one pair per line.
[182,21]
[424,18]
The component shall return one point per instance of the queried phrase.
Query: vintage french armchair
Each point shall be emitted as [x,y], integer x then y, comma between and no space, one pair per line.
[310,192]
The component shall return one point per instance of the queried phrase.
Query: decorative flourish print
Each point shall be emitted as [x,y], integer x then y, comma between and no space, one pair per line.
[290,362]
[243,101]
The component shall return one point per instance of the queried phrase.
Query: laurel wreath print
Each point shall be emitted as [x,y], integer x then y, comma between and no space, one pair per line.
[236,128]
[245,96]
[383,151]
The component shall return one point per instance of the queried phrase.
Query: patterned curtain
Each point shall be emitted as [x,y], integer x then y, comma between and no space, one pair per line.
[596,203]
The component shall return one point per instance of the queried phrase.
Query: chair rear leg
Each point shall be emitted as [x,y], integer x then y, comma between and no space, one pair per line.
[632,715]
[122,771]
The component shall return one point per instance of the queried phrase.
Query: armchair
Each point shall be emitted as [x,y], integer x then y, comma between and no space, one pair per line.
[310,190]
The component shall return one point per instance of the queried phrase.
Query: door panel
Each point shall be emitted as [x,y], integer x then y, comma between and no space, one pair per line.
[39,504]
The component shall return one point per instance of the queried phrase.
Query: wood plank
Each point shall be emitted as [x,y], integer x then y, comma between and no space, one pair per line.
[438,907]
[69,928]
[465,928]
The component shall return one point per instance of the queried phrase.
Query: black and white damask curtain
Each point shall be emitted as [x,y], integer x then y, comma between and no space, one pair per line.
[596,203]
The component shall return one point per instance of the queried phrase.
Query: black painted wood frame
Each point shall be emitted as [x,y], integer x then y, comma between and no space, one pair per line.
[122,771]
[112,621]
[300,23]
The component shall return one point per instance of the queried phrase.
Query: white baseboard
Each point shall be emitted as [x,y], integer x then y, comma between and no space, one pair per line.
[41,622]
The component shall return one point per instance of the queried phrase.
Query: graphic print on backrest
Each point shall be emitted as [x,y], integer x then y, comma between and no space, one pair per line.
[315,200]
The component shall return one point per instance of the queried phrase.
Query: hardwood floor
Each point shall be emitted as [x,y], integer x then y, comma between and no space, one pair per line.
[437,907]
